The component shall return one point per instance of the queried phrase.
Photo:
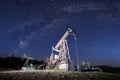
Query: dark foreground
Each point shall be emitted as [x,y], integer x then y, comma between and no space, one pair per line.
[56,75]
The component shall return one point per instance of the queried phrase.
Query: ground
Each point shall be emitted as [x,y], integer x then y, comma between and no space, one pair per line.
[56,75]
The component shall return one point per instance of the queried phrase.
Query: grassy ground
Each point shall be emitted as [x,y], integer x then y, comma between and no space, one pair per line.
[42,75]
[6,69]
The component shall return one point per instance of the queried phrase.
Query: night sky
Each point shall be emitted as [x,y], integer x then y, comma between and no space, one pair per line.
[34,26]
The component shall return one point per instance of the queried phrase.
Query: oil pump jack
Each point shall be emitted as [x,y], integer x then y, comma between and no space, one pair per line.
[60,56]
[26,65]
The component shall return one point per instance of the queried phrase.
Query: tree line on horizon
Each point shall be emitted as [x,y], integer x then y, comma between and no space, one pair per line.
[16,62]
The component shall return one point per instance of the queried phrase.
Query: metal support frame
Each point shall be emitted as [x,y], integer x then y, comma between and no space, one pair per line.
[62,51]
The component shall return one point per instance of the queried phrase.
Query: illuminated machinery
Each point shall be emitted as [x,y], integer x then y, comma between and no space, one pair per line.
[26,65]
[60,56]
[86,67]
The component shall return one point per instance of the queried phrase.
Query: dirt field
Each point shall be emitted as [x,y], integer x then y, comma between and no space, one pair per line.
[57,75]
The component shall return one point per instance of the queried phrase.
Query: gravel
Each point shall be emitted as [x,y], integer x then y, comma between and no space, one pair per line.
[55,75]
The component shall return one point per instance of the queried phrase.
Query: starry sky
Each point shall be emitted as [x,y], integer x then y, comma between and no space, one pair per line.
[34,26]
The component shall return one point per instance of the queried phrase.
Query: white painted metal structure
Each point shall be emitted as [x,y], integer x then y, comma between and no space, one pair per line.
[60,57]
